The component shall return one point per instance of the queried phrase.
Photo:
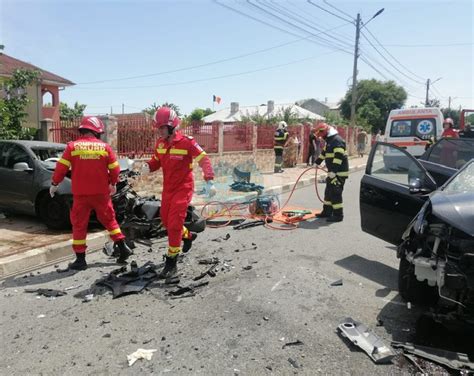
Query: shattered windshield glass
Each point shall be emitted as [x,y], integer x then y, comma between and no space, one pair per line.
[463,182]
[48,156]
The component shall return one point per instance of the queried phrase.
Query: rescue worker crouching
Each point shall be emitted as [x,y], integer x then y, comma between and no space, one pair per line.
[281,139]
[174,153]
[94,174]
[335,156]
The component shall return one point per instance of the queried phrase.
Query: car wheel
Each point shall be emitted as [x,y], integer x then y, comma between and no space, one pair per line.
[54,212]
[413,290]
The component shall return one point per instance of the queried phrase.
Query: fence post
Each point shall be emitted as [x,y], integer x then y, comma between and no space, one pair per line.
[220,145]
[111,131]
[45,133]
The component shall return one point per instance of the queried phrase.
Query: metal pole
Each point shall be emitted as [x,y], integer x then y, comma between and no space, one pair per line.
[354,81]
[427,101]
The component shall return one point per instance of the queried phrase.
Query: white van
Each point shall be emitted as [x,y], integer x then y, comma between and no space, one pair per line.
[411,128]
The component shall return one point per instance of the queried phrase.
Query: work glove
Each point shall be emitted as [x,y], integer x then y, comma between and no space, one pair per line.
[145,169]
[335,181]
[52,190]
[112,189]
[210,188]
[331,175]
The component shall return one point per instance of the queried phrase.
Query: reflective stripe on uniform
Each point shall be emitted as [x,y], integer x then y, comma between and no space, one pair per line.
[329,155]
[79,241]
[115,232]
[179,151]
[89,152]
[113,165]
[173,251]
[329,203]
[185,233]
[280,138]
[343,173]
[337,161]
[200,156]
[161,151]
[65,162]
[277,147]
[339,150]
[337,206]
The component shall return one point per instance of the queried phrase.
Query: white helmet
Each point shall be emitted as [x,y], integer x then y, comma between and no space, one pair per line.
[332,131]
[282,125]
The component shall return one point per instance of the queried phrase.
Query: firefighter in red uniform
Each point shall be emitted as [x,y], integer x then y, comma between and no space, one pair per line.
[94,174]
[448,130]
[174,153]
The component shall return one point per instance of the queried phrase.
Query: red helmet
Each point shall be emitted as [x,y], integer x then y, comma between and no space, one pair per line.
[93,123]
[322,130]
[449,121]
[165,117]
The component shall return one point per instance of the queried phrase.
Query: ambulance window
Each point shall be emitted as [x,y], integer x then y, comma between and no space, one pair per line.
[425,128]
[401,128]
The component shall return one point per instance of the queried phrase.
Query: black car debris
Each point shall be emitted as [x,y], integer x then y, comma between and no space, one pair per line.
[432,227]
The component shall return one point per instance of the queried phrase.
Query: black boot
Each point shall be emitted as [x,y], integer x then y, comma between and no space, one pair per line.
[326,213]
[80,262]
[188,243]
[124,251]
[170,270]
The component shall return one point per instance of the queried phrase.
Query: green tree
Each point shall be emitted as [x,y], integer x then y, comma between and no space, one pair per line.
[71,113]
[375,101]
[151,109]
[432,103]
[13,104]
[199,113]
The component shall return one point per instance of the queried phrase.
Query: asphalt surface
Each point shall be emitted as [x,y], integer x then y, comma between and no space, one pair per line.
[272,287]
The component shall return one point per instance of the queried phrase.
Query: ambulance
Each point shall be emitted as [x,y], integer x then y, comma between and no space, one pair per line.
[412,128]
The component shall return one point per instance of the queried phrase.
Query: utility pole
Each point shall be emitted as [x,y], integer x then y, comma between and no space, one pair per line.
[123,108]
[427,100]
[111,110]
[449,103]
[354,81]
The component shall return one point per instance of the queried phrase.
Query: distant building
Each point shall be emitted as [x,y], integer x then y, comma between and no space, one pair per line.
[318,107]
[49,84]
[236,113]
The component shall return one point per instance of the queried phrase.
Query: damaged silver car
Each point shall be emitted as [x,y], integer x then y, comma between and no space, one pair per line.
[433,228]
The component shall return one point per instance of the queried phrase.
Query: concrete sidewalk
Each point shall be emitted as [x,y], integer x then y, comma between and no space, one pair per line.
[26,244]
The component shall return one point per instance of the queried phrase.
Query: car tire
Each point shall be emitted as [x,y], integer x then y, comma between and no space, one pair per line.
[413,290]
[54,212]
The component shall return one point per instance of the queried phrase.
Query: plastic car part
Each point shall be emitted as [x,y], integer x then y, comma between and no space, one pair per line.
[360,336]
[453,360]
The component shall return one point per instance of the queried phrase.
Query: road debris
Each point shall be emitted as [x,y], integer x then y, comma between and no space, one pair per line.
[221,238]
[360,335]
[72,287]
[140,354]
[209,261]
[40,316]
[252,248]
[337,283]
[47,292]
[293,362]
[88,298]
[248,267]
[187,289]
[211,272]
[258,222]
[122,282]
[453,360]
[295,343]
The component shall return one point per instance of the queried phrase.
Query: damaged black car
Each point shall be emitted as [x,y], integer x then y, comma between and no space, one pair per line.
[432,227]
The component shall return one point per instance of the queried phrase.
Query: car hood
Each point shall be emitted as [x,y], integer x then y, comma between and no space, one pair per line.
[457,209]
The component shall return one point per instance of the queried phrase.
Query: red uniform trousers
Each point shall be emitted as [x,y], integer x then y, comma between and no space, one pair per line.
[174,205]
[80,213]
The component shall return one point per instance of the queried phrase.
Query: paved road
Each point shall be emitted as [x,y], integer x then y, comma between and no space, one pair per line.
[237,324]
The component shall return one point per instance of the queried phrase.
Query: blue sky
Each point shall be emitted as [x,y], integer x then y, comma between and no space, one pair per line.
[87,41]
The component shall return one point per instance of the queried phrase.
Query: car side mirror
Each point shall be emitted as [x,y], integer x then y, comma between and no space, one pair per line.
[22,166]
[416,186]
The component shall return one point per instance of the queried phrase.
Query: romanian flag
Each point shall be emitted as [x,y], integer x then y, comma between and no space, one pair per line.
[216,99]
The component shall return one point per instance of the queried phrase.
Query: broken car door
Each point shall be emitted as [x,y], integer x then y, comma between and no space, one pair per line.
[392,192]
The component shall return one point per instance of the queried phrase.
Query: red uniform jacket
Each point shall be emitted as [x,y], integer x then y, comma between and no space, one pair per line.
[93,166]
[450,133]
[176,159]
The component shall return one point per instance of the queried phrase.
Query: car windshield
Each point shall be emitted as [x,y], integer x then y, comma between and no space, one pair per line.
[463,182]
[453,153]
[43,154]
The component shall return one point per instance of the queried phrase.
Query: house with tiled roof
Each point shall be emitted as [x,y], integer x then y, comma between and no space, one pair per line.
[269,110]
[47,88]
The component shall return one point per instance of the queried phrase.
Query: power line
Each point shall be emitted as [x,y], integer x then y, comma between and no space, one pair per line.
[327,43]
[340,11]
[430,45]
[327,11]
[297,18]
[211,78]
[388,61]
[393,57]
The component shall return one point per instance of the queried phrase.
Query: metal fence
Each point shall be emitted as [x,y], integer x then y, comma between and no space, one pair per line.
[135,137]
[206,135]
[65,130]
[238,137]
[265,134]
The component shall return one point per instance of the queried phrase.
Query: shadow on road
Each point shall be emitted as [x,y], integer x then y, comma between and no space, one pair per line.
[313,224]
[373,270]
